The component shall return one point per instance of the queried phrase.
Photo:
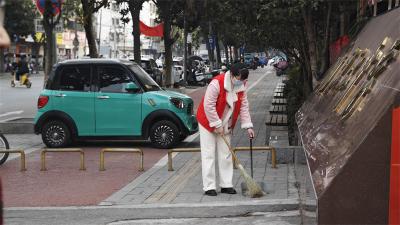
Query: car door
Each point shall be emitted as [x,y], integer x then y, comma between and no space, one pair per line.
[72,95]
[118,112]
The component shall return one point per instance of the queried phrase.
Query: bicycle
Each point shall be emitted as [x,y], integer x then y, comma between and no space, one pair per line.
[3,146]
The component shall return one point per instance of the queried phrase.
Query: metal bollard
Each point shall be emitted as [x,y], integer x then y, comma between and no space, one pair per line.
[170,168]
[22,156]
[62,150]
[122,150]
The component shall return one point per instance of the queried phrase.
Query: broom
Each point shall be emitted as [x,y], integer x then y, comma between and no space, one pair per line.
[254,190]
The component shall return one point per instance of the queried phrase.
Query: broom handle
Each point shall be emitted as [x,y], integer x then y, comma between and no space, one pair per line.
[231,150]
[251,156]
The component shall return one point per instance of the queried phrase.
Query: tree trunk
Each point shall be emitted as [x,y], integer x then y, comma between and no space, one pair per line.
[235,54]
[325,52]
[185,52]
[307,77]
[135,13]
[230,54]
[311,41]
[48,52]
[218,51]
[189,49]
[226,54]
[88,25]
[167,80]
[342,20]
[2,60]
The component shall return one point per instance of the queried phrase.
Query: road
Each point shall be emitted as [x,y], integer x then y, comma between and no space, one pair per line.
[19,102]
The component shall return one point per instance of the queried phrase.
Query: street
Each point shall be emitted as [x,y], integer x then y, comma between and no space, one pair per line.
[19,102]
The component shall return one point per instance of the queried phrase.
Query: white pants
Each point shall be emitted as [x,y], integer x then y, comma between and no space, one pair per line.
[211,143]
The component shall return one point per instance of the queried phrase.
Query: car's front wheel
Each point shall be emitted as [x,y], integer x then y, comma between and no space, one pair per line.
[164,134]
[56,134]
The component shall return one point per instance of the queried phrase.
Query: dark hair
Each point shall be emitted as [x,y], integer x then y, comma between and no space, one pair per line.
[244,74]
[235,69]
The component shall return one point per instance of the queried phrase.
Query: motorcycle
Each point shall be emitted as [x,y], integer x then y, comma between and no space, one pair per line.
[23,81]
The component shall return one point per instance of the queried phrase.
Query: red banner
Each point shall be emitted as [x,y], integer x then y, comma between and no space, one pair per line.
[157,31]
[394,201]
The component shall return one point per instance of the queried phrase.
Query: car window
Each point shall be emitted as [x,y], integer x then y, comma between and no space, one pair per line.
[73,78]
[148,83]
[113,79]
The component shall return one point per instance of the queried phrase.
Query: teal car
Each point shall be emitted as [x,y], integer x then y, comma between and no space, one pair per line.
[110,99]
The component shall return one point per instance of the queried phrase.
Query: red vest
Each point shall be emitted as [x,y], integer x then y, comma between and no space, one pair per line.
[220,107]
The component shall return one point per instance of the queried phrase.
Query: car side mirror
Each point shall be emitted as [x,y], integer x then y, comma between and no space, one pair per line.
[131,87]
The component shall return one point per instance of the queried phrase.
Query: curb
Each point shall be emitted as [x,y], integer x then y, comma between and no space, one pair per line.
[17,126]
[107,214]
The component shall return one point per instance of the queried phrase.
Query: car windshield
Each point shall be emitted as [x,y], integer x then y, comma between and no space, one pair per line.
[148,83]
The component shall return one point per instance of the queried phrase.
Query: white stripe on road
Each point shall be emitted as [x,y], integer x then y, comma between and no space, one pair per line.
[11,113]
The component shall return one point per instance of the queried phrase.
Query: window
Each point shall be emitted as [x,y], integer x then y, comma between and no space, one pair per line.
[73,78]
[113,79]
[147,82]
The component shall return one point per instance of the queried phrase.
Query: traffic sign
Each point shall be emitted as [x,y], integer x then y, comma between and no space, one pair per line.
[56,6]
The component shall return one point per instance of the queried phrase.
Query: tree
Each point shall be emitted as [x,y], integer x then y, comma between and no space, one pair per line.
[18,24]
[49,22]
[169,11]
[134,8]
[90,7]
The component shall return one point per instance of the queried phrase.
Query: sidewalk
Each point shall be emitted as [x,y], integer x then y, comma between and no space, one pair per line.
[184,185]
[161,194]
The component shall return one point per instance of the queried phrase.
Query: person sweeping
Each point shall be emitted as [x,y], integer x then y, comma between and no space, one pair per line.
[224,101]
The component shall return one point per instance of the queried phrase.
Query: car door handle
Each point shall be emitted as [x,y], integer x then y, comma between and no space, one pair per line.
[60,95]
[103,97]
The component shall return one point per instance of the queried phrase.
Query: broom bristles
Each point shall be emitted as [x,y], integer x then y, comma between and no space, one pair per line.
[253,189]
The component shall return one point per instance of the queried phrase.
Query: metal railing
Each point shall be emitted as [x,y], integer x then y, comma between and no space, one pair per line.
[62,150]
[170,168]
[121,150]
[259,148]
[22,156]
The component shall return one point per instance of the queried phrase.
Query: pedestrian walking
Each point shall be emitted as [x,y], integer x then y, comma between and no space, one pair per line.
[224,101]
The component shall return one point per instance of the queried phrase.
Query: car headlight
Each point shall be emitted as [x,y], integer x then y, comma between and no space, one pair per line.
[177,102]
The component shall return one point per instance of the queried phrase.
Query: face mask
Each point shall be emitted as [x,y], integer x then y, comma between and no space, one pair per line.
[237,83]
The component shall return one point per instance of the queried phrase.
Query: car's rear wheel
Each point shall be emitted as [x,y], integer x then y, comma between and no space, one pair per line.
[56,134]
[164,134]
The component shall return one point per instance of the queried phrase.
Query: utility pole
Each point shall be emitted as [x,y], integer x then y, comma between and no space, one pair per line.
[124,41]
[185,53]
[101,17]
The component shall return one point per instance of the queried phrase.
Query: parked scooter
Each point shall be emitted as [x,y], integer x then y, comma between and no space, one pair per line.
[23,80]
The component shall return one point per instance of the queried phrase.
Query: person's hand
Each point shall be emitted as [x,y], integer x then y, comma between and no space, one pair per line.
[219,130]
[250,132]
